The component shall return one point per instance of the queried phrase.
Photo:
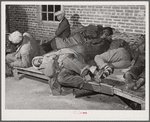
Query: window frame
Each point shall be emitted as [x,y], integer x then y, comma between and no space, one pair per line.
[41,22]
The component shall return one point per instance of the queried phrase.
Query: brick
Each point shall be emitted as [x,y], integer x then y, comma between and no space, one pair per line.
[128,30]
[118,20]
[89,21]
[130,11]
[142,28]
[106,16]
[121,23]
[84,6]
[98,6]
[115,7]
[125,20]
[108,19]
[107,25]
[91,6]
[119,11]
[134,7]
[140,31]
[114,16]
[112,22]
[133,27]
[104,21]
[111,10]
[131,17]
[140,24]
[124,26]
[129,23]
[107,7]
[142,8]
[100,18]
[120,29]
[124,7]
[96,21]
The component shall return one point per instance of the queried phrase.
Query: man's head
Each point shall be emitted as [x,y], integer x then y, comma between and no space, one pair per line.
[15,37]
[60,15]
[37,61]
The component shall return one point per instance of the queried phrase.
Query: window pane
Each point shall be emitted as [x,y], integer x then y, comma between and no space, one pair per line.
[50,16]
[57,8]
[44,16]
[50,8]
[44,7]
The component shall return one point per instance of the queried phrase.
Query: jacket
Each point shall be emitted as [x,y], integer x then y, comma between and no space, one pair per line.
[63,30]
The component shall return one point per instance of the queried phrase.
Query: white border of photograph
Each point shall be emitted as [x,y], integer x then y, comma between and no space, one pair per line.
[75,115]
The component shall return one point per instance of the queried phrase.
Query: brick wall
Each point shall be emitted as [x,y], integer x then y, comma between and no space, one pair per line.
[125,18]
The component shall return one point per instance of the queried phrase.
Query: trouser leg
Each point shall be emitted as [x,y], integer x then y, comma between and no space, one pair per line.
[70,78]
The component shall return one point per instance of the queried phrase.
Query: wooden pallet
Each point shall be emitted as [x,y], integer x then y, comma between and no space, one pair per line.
[112,85]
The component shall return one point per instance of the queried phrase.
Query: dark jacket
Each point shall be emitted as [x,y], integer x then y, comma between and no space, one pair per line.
[63,30]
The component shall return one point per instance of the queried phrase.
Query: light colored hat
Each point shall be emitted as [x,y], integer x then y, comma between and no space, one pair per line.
[15,37]
[59,12]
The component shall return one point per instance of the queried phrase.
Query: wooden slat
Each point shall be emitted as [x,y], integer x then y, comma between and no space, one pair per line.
[136,96]
[102,88]
[30,69]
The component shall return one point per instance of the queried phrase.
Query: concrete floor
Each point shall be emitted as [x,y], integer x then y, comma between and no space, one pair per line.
[31,93]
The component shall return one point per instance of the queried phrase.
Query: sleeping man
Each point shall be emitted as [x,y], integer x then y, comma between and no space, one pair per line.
[27,49]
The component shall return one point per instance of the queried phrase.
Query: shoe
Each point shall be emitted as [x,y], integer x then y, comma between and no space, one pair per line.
[98,75]
[109,69]
[106,74]
[139,83]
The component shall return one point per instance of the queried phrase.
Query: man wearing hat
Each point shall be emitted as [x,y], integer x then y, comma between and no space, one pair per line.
[27,49]
[63,30]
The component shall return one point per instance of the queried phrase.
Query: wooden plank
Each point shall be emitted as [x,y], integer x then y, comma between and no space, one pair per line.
[30,69]
[33,74]
[108,86]
[102,88]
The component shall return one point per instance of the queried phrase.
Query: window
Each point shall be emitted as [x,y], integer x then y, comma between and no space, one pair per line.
[47,12]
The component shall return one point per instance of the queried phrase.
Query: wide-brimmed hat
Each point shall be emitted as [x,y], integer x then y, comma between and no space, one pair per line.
[59,12]
[15,37]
